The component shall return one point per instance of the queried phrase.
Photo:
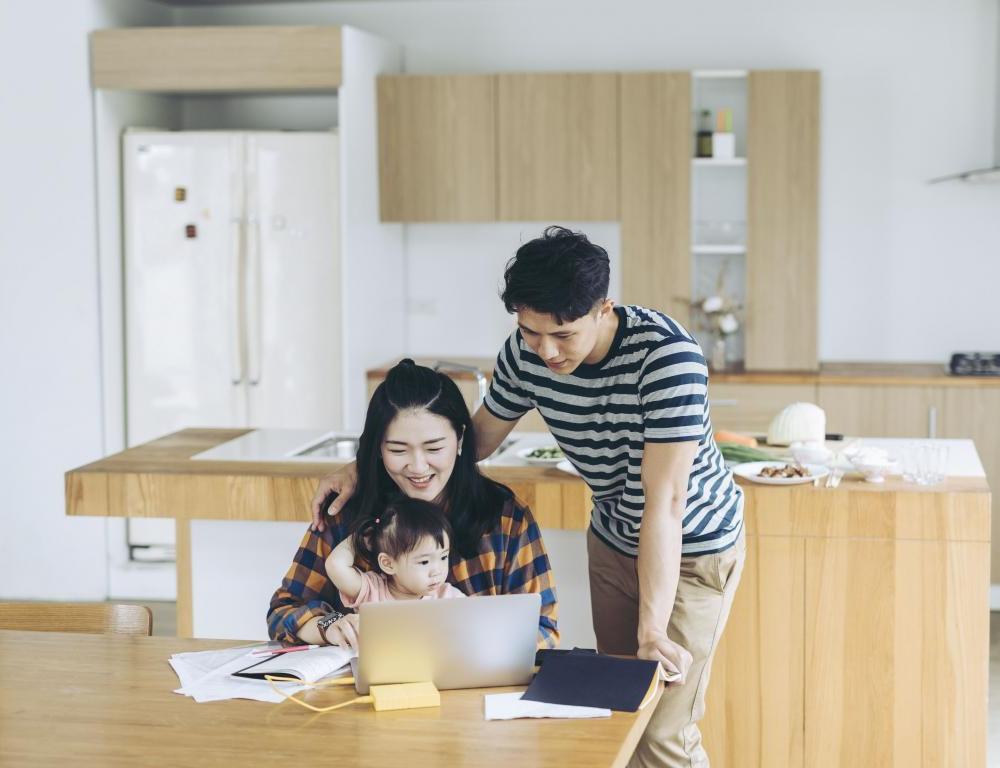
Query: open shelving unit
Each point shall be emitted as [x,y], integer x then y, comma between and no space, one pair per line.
[719,206]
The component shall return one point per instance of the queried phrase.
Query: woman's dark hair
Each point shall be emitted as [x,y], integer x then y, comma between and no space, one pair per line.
[471,502]
[399,528]
[560,273]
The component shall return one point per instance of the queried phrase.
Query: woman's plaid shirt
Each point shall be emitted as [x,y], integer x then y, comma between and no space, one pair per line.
[511,559]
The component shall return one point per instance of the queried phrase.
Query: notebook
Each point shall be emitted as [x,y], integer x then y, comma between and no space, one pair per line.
[583,679]
[305,666]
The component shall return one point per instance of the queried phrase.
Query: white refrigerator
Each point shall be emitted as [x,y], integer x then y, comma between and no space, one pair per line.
[232,284]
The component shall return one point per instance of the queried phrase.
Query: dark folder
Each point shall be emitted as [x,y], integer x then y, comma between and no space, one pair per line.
[595,680]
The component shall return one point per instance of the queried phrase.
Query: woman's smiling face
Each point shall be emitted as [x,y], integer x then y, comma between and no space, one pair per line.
[419,451]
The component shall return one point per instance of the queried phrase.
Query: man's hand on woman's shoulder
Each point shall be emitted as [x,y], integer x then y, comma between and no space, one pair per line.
[342,484]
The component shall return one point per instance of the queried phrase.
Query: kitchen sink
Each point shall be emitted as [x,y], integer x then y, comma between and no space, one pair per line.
[322,445]
[332,447]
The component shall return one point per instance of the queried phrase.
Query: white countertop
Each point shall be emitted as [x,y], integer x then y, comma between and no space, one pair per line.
[289,444]
[963,460]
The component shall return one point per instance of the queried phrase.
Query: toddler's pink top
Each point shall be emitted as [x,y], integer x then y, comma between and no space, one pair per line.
[375,589]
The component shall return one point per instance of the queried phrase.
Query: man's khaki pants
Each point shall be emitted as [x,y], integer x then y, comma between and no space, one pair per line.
[705,593]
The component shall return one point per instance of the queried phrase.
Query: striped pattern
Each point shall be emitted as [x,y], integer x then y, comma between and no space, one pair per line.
[651,387]
[511,559]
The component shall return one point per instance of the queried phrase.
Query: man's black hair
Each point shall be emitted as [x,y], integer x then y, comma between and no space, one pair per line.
[560,273]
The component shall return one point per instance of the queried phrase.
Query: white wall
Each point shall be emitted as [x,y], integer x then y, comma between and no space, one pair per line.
[454,277]
[50,392]
[908,94]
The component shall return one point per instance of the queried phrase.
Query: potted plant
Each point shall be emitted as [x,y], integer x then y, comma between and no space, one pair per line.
[719,315]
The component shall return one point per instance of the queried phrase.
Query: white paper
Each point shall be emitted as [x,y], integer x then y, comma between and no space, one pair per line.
[193,666]
[510,706]
[207,676]
[309,666]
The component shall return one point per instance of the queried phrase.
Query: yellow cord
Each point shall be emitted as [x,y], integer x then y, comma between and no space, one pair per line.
[271,679]
[321,684]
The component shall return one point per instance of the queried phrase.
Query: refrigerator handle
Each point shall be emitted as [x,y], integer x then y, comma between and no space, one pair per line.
[236,279]
[253,300]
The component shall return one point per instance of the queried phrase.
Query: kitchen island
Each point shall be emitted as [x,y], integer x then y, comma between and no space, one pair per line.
[859,635]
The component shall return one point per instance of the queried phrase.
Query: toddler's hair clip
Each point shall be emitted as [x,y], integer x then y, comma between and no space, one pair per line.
[378,520]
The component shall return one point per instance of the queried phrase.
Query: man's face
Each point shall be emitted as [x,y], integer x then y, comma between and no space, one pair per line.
[562,346]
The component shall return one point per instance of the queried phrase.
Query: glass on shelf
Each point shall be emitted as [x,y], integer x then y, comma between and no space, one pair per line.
[719,232]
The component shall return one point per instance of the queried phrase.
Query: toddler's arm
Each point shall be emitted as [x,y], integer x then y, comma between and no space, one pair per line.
[340,568]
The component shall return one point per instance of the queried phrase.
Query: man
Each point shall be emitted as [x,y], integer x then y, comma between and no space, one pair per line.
[624,392]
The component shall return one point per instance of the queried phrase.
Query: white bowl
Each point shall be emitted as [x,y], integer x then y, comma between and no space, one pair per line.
[811,453]
[876,472]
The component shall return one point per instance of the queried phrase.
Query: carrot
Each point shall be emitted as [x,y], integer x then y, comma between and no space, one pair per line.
[723,436]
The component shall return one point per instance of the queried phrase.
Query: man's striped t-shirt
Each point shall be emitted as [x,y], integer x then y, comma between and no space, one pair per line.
[651,387]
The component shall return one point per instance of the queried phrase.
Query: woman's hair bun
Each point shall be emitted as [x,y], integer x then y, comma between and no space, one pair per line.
[407,362]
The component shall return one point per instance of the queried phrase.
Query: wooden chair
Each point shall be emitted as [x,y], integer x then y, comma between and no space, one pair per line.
[86,618]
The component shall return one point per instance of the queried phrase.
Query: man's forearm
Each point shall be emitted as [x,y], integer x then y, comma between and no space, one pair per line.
[490,432]
[659,567]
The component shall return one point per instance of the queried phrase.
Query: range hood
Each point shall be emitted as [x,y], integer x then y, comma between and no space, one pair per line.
[980,176]
[992,174]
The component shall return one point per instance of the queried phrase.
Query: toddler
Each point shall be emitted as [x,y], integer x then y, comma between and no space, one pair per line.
[407,546]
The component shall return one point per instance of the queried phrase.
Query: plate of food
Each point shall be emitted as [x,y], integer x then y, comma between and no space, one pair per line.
[780,472]
[542,455]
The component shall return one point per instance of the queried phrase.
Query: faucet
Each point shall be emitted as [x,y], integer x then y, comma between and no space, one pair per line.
[481,382]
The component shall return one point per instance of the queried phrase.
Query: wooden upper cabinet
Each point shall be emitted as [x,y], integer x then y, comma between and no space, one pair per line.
[557,142]
[655,137]
[782,220]
[216,59]
[437,147]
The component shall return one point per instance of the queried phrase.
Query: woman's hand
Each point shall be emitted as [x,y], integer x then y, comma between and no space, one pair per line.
[344,631]
[673,657]
[342,483]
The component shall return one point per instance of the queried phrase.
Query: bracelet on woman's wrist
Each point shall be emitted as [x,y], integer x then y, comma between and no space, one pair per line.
[325,622]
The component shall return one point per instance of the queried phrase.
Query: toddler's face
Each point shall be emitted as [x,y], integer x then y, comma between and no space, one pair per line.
[423,569]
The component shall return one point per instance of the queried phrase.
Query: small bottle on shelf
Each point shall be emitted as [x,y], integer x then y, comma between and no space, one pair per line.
[703,138]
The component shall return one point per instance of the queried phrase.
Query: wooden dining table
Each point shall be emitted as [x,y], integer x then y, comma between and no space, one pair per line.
[103,700]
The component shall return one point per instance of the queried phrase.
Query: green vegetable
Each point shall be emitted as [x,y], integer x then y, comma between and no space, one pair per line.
[546,453]
[735,453]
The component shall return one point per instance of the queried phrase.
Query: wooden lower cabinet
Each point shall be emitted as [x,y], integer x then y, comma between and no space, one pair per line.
[750,407]
[754,714]
[974,413]
[881,411]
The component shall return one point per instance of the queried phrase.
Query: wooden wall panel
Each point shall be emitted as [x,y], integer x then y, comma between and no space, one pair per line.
[655,137]
[782,220]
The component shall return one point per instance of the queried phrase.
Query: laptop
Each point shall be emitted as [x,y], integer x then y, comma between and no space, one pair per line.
[476,642]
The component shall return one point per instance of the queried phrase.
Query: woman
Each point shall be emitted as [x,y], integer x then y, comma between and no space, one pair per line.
[415,429]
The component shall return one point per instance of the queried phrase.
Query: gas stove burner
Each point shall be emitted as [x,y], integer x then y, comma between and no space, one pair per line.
[975,364]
